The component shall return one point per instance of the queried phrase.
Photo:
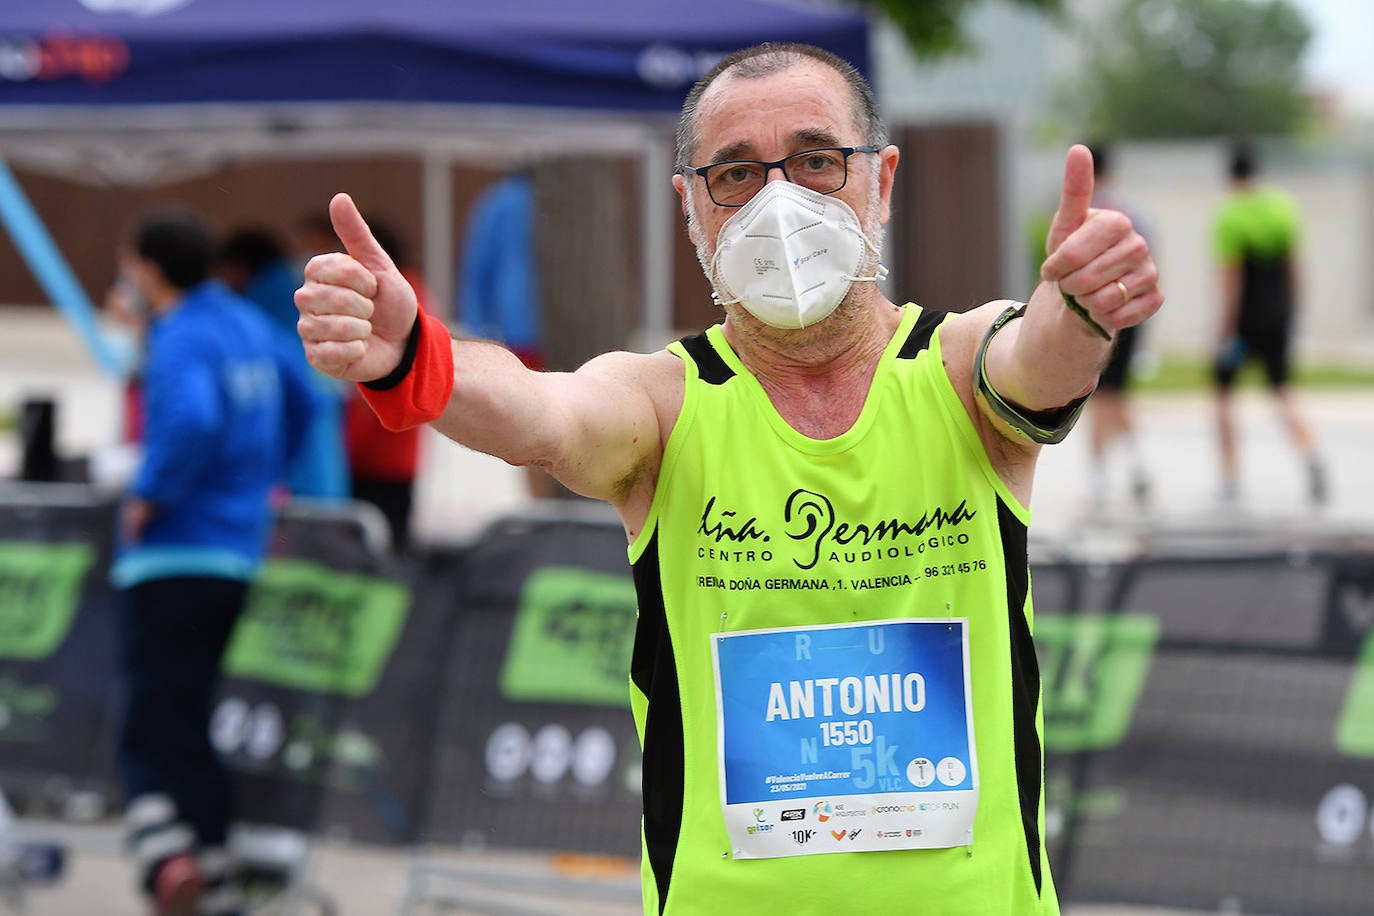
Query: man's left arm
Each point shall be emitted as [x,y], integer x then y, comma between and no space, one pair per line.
[1294,255]
[1098,278]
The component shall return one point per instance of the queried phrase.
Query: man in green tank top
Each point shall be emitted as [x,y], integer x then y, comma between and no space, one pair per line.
[1256,244]
[826,498]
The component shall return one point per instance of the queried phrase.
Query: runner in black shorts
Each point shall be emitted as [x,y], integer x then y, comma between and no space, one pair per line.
[1269,348]
[1113,376]
[1110,417]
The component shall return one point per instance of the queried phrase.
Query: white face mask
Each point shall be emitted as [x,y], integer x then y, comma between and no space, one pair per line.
[789,255]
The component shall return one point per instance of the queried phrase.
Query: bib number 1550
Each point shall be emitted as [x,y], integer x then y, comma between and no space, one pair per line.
[847,733]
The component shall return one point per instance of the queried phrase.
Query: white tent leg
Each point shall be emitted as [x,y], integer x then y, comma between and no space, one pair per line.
[436,216]
[656,217]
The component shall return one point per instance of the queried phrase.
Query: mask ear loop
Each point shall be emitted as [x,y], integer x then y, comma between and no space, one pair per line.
[880,273]
[715,296]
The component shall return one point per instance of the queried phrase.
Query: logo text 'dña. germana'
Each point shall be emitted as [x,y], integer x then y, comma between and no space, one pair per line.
[810,520]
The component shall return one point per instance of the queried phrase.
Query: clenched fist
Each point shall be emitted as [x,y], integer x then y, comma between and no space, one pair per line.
[356,308]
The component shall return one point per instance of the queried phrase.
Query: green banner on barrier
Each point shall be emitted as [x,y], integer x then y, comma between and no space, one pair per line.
[1092,669]
[572,638]
[311,627]
[1355,727]
[40,587]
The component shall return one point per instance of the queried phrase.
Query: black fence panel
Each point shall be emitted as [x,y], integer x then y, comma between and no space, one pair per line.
[535,746]
[1230,762]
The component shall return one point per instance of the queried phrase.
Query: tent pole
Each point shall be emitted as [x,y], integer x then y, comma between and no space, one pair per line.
[49,266]
[656,218]
[436,217]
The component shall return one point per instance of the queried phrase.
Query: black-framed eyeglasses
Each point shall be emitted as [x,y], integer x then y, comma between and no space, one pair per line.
[734,182]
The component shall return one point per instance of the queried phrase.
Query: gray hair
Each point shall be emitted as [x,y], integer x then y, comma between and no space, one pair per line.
[764,60]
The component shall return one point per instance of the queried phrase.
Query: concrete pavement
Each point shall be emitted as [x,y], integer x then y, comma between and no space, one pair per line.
[359,880]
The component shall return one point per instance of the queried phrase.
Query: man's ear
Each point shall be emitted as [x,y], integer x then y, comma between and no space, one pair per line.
[680,186]
[887,173]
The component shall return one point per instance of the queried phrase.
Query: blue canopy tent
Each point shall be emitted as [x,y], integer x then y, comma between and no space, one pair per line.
[603,54]
[126,90]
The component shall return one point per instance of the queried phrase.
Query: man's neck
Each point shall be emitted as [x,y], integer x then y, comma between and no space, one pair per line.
[817,378]
[166,301]
[851,331]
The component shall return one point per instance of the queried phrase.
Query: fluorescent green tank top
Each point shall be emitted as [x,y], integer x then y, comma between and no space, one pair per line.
[757,528]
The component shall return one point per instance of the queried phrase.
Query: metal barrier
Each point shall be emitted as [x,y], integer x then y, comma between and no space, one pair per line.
[59,701]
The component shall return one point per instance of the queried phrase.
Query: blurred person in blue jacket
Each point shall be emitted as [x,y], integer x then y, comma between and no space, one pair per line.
[498,298]
[255,265]
[227,403]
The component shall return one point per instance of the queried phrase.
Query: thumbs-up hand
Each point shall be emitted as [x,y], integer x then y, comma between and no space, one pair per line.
[356,308]
[1100,263]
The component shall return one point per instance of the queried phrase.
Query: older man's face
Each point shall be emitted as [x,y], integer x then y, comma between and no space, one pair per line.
[806,106]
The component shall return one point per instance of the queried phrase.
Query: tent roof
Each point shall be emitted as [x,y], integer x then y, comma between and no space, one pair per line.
[638,55]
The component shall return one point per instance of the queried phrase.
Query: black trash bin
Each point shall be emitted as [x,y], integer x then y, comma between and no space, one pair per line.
[37,432]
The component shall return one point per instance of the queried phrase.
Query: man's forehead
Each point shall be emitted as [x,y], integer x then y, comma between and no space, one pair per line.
[806,103]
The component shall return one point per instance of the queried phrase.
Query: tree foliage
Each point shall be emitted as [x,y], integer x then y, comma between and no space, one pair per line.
[934,28]
[1193,68]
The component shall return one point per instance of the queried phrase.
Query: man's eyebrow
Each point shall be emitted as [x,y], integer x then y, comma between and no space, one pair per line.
[813,138]
[733,151]
[808,138]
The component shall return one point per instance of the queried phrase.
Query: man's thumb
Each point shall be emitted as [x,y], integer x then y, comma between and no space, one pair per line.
[357,238]
[1075,198]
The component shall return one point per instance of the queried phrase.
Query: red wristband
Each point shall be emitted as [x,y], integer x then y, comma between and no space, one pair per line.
[423,390]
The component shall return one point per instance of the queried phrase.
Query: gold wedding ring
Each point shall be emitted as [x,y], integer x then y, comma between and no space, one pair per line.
[1125,294]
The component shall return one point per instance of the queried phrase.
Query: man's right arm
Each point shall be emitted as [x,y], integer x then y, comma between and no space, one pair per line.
[183,419]
[597,429]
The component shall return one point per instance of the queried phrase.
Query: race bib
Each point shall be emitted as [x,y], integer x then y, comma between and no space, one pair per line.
[846,738]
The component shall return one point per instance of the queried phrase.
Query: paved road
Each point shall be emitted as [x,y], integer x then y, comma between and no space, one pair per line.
[374,881]
[460,491]
[460,488]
